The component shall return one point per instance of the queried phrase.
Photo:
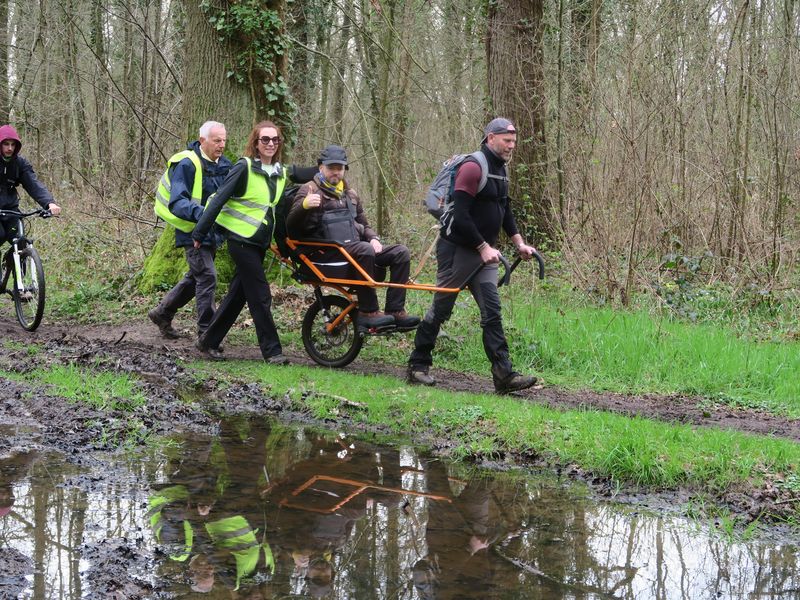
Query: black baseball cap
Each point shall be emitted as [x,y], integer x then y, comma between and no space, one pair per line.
[332,155]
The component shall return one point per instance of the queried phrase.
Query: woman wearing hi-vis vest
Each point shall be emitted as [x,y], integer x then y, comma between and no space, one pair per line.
[244,206]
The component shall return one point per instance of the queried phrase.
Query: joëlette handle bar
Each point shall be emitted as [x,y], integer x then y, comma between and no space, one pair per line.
[506,278]
[42,212]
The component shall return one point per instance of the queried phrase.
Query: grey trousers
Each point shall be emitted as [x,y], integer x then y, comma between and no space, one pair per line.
[455,264]
[199,283]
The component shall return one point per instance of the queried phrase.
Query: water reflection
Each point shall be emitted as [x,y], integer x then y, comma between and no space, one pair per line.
[269,511]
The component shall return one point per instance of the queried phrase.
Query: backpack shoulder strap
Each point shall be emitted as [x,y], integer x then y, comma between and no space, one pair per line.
[480,158]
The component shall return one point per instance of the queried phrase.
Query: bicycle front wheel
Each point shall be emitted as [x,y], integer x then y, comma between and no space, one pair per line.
[29,293]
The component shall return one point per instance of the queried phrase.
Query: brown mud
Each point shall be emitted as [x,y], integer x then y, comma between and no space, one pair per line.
[82,433]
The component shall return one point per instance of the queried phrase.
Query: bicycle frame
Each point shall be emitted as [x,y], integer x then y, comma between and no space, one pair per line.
[18,243]
[23,262]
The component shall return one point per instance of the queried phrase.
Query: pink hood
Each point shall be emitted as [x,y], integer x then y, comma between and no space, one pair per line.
[7,132]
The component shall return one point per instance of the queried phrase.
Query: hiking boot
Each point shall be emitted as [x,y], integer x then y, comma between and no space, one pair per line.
[212,353]
[278,359]
[164,325]
[375,319]
[403,320]
[220,348]
[419,376]
[514,382]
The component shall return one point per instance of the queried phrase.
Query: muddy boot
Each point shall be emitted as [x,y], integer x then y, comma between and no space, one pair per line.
[278,359]
[373,320]
[419,376]
[514,382]
[164,325]
[200,335]
[404,321]
[212,353]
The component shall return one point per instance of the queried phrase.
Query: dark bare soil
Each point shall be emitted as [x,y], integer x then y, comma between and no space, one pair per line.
[137,348]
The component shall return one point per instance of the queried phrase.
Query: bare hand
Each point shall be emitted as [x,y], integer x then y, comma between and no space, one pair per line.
[196,243]
[312,201]
[490,255]
[525,251]
[376,245]
[54,209]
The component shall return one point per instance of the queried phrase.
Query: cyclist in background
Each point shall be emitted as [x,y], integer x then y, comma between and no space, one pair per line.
[16,170]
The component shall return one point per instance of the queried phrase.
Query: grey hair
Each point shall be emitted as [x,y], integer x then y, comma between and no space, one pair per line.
[205,128]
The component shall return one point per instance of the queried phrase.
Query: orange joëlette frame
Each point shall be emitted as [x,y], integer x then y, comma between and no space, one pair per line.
[358,488]
[341,284]
[367,280]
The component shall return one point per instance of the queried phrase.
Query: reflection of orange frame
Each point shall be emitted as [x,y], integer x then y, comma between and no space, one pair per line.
[359,486]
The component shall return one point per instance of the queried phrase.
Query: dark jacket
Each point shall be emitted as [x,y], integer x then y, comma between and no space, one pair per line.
[180,195]
[307,224]
[18,171]
[478,218]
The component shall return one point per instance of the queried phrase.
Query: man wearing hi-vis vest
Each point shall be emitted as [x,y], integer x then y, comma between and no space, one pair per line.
[191,177]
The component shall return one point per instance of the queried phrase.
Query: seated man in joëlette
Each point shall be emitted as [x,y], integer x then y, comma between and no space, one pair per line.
[328,208]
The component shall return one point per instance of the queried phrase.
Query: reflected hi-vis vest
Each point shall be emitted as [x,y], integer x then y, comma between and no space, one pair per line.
[244,215]
[235,535]
[164,186]
[156,504]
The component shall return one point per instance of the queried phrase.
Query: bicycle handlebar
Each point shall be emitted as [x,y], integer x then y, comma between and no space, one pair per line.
[41,212]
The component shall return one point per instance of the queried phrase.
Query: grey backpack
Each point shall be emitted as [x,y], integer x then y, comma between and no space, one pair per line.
[438,201]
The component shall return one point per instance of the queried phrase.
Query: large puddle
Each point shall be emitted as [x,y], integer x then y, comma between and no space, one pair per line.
[269,511]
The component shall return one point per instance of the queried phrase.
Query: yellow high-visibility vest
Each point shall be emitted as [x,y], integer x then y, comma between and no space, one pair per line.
[164,186]
[244,215]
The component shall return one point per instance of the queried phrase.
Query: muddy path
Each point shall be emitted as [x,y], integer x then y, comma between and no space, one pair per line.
[132,338]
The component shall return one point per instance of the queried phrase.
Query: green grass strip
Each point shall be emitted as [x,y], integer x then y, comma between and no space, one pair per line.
[100,389]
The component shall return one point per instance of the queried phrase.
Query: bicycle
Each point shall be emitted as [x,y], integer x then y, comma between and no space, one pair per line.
[22,262]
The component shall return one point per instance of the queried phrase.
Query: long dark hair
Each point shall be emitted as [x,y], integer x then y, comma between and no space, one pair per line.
[251,149]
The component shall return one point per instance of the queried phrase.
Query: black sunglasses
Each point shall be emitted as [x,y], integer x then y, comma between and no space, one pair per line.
[265,139]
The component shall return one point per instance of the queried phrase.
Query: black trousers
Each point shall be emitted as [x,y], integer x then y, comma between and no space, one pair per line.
[396,258]
[455,264]
[9,227]
[249,285]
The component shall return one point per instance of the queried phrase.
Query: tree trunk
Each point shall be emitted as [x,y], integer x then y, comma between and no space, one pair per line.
[102,99]
[514,59]
[208,92]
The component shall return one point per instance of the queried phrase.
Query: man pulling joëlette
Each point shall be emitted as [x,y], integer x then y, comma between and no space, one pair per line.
[470,228]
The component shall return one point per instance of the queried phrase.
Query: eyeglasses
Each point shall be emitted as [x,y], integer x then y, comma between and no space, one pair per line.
[266,140]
